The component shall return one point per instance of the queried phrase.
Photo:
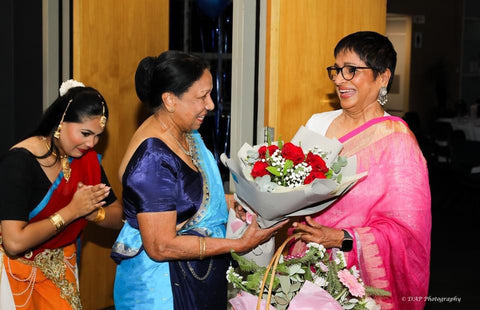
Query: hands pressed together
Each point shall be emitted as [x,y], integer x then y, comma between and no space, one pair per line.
[88,198]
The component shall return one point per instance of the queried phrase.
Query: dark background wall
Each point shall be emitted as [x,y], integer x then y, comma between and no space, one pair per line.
[21,69]
[435,66]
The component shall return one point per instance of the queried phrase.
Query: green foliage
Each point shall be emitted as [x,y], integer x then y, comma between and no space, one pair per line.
[291,273]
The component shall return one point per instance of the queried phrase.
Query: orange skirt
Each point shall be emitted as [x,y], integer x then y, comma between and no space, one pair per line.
[48,282]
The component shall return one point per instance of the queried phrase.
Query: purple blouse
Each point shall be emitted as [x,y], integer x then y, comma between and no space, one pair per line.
[157,180]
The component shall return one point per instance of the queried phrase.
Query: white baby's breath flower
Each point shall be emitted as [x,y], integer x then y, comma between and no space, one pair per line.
[322,266]
[315,245]
[69,84]
[340,259]
[355,271]
[320,281]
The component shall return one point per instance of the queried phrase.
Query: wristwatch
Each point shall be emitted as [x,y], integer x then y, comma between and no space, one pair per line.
[347,243]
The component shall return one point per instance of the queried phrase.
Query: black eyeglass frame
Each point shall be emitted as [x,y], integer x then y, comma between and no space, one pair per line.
[340,69]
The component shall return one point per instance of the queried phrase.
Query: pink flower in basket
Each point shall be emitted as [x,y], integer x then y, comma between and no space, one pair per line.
[349,280]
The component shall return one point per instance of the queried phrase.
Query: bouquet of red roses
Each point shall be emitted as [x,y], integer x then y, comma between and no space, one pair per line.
[277,181]
[301,177]
[288,165]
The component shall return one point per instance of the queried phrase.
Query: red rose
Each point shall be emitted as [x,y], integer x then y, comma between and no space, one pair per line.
[316,162]
[263,150]
[293,152]
[259,169]
[314,175]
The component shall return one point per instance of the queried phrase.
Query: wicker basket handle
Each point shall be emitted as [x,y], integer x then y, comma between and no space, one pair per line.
[272,266]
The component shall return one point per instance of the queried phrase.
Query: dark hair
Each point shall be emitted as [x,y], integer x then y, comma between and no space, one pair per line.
[374,49]
[85,102]
[171,71]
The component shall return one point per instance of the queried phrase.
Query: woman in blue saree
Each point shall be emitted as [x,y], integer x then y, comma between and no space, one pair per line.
[172,252]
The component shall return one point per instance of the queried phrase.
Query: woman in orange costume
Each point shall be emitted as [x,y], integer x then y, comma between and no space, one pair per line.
[52,184]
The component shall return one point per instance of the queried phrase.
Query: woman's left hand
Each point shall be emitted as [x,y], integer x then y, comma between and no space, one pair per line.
[313,232]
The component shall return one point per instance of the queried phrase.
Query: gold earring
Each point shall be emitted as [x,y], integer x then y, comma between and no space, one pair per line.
[59,128]
[103,119]
[57,132]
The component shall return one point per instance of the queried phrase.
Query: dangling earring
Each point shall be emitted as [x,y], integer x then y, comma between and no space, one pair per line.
[59,127]
[103,118]
[382,96]
[57,132]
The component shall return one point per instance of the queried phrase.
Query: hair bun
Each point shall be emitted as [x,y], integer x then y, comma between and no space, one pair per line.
[144,77]
[69,84]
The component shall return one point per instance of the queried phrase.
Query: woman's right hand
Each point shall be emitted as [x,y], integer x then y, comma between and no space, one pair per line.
[254,235]
[88,198]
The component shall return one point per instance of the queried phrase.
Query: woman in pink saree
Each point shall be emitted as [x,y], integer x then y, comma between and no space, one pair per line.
[383,224]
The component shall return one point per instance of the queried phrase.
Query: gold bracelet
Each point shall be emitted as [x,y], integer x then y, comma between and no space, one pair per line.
[203,247]
[57,221]
[100,215]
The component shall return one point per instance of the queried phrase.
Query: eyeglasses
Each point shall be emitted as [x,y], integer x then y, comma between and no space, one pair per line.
[348,72]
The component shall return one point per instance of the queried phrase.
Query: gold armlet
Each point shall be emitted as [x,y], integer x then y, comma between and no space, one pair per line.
[57,221]
[203,247]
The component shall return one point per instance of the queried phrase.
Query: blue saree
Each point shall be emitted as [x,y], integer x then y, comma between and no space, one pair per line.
[157,180]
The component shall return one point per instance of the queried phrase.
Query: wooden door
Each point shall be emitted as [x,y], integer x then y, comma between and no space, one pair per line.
[301,36]
[110,38]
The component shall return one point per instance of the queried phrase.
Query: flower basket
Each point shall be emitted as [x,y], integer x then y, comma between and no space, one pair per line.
[314,281]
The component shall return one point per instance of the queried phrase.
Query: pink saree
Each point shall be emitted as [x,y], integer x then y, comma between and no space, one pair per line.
[388,212]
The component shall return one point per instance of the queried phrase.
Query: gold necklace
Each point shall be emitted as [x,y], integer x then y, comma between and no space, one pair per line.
[189,153]
[63,161]
[188,139]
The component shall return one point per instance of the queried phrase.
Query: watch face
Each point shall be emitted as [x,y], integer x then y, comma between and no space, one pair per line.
[347,245]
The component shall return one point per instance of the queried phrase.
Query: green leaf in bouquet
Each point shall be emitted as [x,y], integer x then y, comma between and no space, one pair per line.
[288,165]
[268,155]
[284,283]
[376,291]
[280,144]
[269,138]
[274,171]
[294,269]
[253,281]
[245,264]
[339,178]
[282,269]
[281,307]
[265,183]
[295,286]
[280,300]
[332,278]
[297,277]
[308,274]
[339,164]
[252,157]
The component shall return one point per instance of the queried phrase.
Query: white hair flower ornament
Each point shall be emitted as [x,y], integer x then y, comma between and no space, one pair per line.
[69,84]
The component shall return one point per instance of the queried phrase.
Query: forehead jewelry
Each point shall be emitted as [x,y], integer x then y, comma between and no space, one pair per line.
[59,127]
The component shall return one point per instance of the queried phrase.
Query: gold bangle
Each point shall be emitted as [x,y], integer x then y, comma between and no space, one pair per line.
[57,221]
[100,215]
[203,247]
